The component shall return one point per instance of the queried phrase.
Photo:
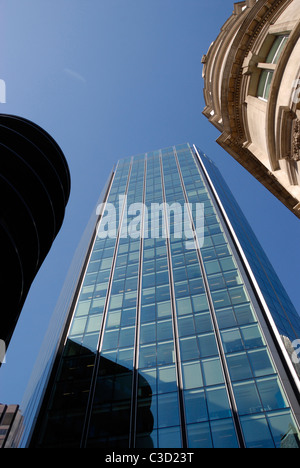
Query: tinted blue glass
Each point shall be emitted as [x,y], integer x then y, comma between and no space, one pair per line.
[224,435]
[247,398]
[256,432]
[217,403]
[275,296]
[195,406]
[157,321]
[199,436]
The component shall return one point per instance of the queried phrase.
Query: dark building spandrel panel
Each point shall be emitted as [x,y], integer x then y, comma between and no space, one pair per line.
[165,348]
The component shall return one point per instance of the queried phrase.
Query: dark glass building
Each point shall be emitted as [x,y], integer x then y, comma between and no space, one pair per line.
[170,339]
[34,191]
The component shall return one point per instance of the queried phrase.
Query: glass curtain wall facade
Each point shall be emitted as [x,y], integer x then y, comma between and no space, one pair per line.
[166,347]
[282,309]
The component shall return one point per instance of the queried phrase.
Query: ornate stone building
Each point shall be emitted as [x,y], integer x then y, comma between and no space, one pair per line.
[252,93]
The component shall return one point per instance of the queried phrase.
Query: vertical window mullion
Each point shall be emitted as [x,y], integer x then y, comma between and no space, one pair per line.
[214,319]
[101,334]
[134,398]
[174,320]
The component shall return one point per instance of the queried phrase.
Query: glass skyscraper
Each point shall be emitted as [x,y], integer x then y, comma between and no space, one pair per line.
[172,338]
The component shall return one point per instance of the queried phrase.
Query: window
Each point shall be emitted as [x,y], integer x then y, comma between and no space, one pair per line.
[256,432]
[170,437]
[271,393]
[199,435]
[195,406]
[168,414]
[223,434]
[247,398]
[207,345]
[269,66]
[218,403]
[212,372]
[192,375]
[239,367]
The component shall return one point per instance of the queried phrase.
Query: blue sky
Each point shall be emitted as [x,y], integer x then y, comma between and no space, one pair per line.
[109,79]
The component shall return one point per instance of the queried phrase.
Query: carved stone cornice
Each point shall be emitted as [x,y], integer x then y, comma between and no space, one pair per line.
[253,165]
[231,77]
[260,17]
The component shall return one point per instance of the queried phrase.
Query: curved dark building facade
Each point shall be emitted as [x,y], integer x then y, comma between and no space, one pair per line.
[34,191]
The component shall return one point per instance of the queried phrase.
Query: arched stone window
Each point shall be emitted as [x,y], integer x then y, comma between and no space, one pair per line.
[268,68]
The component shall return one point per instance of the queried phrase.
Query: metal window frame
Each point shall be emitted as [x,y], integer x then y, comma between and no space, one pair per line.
[134,396]
[285,370]
[89,408]
[178,366]
[227,380]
